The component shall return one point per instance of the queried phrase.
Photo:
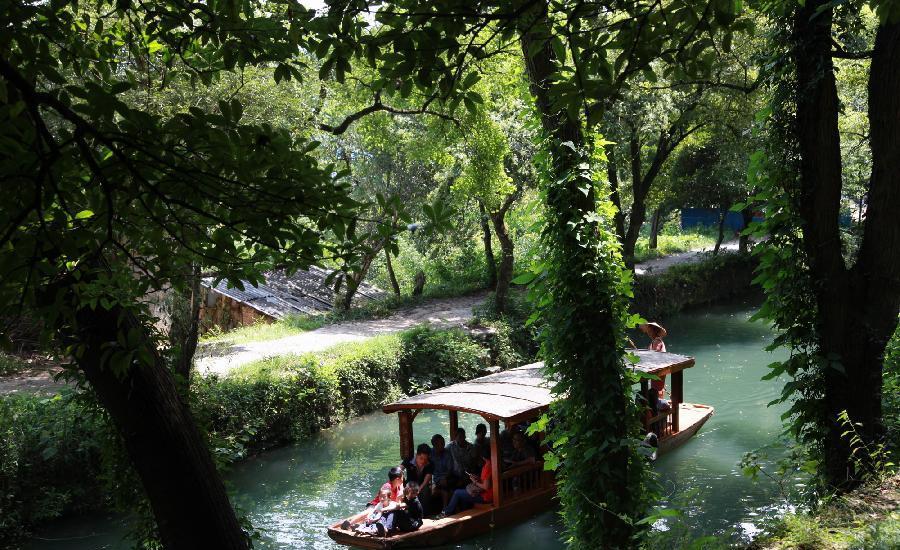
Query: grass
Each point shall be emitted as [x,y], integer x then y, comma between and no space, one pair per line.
[865,519]
[673,240]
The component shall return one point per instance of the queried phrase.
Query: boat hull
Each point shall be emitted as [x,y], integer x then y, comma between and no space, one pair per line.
[692,417]
[481,519]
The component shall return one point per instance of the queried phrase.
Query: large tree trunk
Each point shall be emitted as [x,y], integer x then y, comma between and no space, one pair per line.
[353,280]
[186,494]
[390,269]
[505,273]
[488,246]
[581,304]
[856,309]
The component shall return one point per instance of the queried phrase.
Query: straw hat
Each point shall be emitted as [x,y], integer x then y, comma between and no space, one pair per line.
[660,331]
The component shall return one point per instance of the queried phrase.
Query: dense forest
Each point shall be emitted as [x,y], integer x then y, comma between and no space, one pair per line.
[147,148]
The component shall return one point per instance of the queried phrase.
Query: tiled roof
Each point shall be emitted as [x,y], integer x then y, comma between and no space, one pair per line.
[304,291]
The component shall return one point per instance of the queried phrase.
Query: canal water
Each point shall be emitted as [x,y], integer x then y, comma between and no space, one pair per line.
[291,494]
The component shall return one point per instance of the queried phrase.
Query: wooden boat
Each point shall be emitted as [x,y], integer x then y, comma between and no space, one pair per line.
[512,397]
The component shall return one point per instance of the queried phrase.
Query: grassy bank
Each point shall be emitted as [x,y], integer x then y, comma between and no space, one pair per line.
[673,240]
[867,518]
[60,455]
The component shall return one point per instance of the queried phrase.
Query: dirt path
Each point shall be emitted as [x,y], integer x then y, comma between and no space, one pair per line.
[660,265]
[440,313]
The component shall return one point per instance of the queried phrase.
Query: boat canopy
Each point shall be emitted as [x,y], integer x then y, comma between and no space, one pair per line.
[499,396]
[519,392]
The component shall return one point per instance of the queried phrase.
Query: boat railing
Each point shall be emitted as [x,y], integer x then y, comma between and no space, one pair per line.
[660,424]
[521,480]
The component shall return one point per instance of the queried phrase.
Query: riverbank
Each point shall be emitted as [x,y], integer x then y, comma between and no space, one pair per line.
[60,455]
[866,518]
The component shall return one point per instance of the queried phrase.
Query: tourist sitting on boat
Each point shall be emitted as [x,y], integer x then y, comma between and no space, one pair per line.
[420,470]
[523,452]
[374,515]
[442,475]
[463,454]
[404,517]
[506,447]
[481,441]
[394,485]
[478,491]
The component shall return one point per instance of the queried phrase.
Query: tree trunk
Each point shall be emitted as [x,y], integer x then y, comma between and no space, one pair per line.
[744,241]
[488,246]
[353,280]
[655,226]
[186,494]
[856,309]
[505,273]
[186,328]
[582,303]
[612,172]
[390,269]
[723,213]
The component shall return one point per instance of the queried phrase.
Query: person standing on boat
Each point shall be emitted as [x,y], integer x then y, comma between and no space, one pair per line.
[480,489]
[656,333]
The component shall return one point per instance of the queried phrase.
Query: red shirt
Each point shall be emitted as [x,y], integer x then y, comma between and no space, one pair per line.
[488,494]
[396,493]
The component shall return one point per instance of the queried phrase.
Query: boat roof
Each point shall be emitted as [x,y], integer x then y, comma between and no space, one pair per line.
[520,392]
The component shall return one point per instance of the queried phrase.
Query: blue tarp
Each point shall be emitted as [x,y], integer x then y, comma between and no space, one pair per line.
[693,217]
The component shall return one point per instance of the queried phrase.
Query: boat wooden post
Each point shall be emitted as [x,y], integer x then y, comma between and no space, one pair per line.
[677,397]
[406,434]
[454,424]
[496,480]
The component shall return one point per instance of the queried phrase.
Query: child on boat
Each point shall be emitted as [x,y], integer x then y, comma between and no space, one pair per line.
[394,517]
[394,489]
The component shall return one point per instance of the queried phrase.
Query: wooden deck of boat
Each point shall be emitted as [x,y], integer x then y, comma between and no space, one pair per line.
[437,532]
[693,416]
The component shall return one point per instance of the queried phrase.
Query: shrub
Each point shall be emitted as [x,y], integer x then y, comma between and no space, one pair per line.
[717,277]
[434,358]
[50,458]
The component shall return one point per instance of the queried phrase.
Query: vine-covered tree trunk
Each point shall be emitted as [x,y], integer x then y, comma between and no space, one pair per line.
[856,308]
[186,494]
[582,341]
[488,246]
[390,269]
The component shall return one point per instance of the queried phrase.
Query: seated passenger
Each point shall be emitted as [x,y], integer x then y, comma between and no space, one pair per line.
[481,441]
[463,454]
[395,488]
[405,517]
[442,476]
[523,452]
[420,470]
[374,515]
[506,447]
[479,490]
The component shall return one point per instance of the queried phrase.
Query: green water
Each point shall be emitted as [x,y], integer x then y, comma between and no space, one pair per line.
[292,494]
